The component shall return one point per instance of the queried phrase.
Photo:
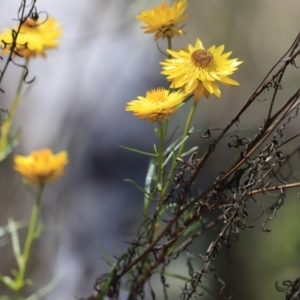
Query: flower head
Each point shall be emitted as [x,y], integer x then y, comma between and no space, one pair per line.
[198,70]
[164,20]
[35,36]
[41,166]
[157,105]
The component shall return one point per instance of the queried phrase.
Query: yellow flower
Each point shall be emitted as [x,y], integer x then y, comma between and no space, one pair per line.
[198,70]
[41,166]
[164,20]
[157,105]
[34,38]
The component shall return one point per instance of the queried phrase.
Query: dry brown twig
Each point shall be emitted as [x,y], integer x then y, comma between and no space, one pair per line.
[259,163]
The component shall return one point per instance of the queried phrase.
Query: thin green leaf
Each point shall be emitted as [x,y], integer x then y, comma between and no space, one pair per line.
[148,180]
[105,254]
[138,151]
[8,282]
[105,286]
[10,146]
[176,144]
[46,289]
[15,240]
[4,232]
[155,150]
[136,185]
[190,151]
[169,152]
[28,281]
[191,229]
[38,230]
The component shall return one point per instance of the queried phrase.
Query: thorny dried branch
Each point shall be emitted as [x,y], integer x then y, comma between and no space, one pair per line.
[291,287]
[26,10]
[256,171]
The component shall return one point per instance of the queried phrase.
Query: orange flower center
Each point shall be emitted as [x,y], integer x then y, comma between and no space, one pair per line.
[202,58]
[30,22]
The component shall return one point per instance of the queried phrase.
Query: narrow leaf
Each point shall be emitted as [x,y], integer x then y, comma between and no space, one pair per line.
[46,289]
[148,180]
[137,151]
[135,184]
[105,254]
[15,240]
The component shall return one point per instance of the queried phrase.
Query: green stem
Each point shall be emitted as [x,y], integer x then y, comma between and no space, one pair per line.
[180,150]
[31,235]
[160,157]
[187,126]
[169,46]
[159,185]
[5,128]
[17,97]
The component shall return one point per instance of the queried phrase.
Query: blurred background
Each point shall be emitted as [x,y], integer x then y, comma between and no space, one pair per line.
[77,104]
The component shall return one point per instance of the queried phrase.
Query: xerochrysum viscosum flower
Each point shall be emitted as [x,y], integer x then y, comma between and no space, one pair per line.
[163,20]
[41,166]
[157,105]
[35,37]
[199,70]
